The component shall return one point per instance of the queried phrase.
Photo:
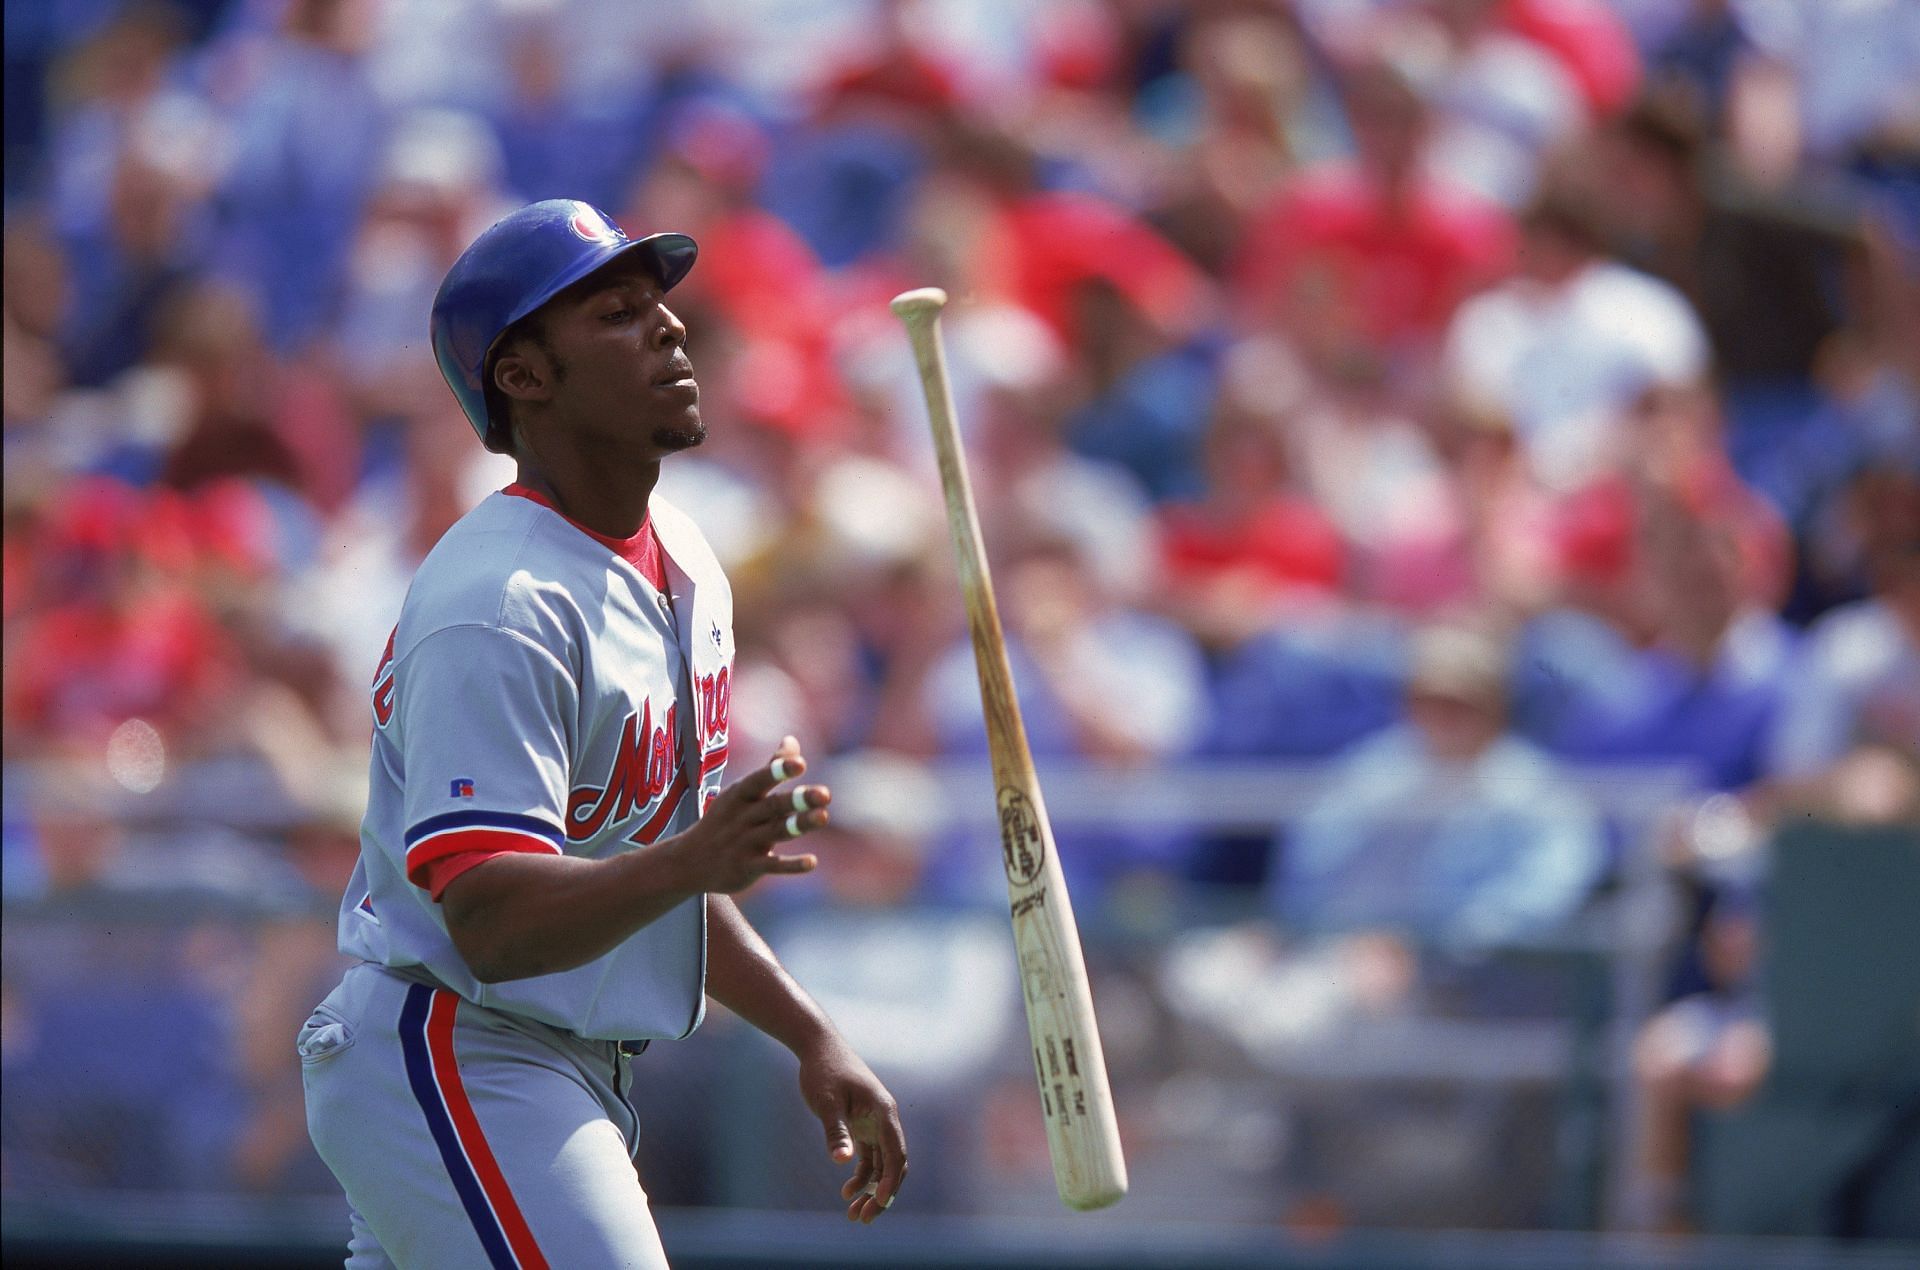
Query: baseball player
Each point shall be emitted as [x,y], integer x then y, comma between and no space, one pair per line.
[548,851]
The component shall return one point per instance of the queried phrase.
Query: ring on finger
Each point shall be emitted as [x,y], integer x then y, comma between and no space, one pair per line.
[793,825]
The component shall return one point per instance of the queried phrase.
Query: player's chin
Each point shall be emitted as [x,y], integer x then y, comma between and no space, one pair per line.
[681,433]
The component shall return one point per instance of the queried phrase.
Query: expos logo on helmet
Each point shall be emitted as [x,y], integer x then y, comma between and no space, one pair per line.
[592,227]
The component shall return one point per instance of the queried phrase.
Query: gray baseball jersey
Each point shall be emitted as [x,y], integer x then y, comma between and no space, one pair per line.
[539,694]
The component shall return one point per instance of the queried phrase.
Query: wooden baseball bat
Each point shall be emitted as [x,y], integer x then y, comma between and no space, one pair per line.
[1083,1135]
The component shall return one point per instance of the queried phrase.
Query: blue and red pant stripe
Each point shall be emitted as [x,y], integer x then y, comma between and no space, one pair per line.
[426,1041]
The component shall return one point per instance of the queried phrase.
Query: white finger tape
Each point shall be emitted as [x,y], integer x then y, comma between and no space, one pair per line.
[781,769]
[793,825]
[800,799]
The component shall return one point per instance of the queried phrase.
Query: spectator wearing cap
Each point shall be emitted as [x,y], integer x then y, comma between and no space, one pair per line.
[1446,829]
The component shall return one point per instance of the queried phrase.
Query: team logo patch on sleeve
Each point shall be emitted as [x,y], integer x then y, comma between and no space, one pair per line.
[461,787]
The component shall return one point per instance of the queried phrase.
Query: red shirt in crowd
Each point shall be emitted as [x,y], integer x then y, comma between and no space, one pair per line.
[1285,542]
[1334,248]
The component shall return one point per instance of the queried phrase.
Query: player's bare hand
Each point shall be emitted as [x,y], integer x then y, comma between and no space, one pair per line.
[736,843]
[862,1124]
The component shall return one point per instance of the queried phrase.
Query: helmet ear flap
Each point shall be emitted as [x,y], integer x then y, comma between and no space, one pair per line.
[498,435]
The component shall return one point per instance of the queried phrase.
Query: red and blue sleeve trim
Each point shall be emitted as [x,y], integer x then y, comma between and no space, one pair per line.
[489,819]
[459,832]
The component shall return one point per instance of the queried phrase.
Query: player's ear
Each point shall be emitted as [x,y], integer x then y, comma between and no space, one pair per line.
[522,374]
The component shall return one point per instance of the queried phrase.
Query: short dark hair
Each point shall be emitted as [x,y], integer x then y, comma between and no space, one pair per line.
[1561,209]
[531,328]
[1667,120]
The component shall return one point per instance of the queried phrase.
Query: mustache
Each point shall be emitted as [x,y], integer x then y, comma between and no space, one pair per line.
[679,366]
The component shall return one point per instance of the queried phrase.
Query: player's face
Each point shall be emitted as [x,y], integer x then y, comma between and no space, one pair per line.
[624,375]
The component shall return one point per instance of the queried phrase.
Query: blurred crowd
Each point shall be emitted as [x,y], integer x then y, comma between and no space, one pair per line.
[1460,393]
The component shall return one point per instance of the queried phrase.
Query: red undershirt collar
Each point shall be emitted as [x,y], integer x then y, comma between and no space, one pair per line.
[642,550]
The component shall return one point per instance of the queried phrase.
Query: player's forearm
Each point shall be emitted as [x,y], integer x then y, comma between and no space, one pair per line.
[522,915]
[745,976]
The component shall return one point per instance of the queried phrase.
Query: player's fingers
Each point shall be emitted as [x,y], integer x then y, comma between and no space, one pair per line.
[799,801]
[800,822]
[790,863]
[880,1191]
[861,1199]
[761,826]
[839,1141]
[861,1178]
[775,821]
[893,1160]
[786,764]
[804,798]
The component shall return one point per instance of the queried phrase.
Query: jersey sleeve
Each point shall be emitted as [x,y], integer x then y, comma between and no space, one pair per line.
[484,722]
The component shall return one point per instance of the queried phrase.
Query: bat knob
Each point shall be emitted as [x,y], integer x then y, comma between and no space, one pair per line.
[920,303]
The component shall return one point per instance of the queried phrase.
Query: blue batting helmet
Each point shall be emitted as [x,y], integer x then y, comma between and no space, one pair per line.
[517,265]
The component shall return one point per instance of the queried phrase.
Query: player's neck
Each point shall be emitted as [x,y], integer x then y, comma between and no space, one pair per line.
[610,500]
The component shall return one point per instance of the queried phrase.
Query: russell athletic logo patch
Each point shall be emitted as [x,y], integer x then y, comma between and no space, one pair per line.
[461,788]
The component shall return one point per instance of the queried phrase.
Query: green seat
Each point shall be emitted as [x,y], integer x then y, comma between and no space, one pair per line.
[1831,1143]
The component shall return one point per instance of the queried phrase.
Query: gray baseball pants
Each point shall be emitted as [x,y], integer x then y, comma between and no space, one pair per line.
[467,1137]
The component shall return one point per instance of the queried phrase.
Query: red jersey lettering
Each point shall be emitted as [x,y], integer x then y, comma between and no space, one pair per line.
[383,684]
[642,769]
